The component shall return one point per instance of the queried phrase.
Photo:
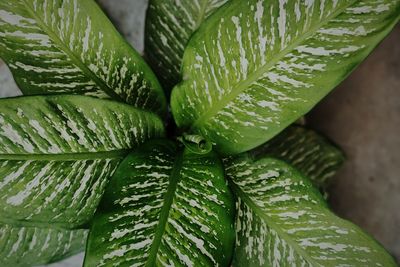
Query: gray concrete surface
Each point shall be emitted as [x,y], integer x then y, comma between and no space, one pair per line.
[128,17]
[8,87]
[362,116]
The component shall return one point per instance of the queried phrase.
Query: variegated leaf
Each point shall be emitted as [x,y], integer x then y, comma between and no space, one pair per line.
[70,46]
[169,25]
[309,152]
[282,220]
[57,153]
[30,246]
[164,207]
[256,66]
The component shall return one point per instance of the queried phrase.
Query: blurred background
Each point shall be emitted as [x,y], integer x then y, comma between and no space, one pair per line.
[362,116]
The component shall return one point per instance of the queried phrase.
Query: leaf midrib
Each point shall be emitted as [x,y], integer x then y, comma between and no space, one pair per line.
[271,223]
[243,85]
[164,214]
[44,224]
[67,156]
[75,59]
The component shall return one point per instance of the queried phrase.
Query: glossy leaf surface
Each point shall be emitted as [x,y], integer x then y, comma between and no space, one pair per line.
[256,66]
[57,154]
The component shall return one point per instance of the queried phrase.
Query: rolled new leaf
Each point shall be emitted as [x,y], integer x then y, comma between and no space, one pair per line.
[164,207]
[58,152]
[195,144]
[70,46]
[31,246]
[282,220]
[256,66]
[169,26]
[309,152]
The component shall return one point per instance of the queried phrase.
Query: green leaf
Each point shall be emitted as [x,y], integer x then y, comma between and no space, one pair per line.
[256,66]
[169,25]
[28,246]
[284,221]
[309,152]
[164,207]
[58,152]
[70,46]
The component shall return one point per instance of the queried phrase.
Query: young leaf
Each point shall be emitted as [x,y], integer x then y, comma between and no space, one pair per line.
[29,246]
[57,153]
[169,25]
[256,66]
[282,220]
[164,207]
[70,46]
[309,152]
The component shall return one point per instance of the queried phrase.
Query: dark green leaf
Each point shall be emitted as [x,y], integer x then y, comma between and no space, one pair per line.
[164,207]
[309,152]
[282,220]
[169,25]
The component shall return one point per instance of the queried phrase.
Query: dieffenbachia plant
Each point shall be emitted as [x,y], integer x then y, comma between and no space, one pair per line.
[75,166]
[254,67]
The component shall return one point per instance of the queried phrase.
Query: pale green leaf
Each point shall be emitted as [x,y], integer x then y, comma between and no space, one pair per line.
[309,152]
[29,246]
[57,153]
[164,207]
[70,46]
[169,25]
[282,220]
[256,66]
